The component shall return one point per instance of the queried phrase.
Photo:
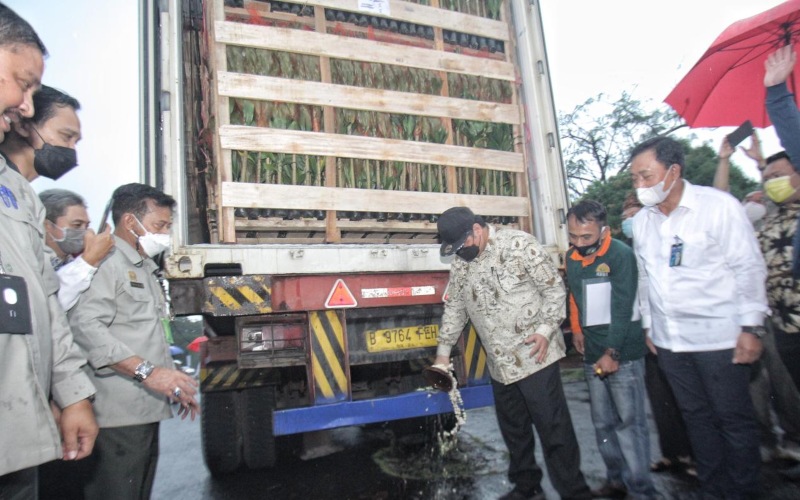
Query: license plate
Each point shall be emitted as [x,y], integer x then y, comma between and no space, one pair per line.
[409,337]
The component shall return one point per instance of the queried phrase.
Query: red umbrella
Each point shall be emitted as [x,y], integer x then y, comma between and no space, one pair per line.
[726,86]
[194,345]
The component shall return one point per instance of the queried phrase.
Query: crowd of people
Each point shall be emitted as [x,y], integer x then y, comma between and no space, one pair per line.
[700,315]
[85,371]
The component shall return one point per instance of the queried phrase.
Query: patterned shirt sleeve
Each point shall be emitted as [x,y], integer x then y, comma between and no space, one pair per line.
[455,310]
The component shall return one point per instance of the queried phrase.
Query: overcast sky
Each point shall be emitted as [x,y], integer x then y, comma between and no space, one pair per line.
[641,46]
[93,57]
[644,47]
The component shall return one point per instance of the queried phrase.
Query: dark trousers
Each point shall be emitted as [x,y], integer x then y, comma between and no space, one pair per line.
[672,436]
[772,389]
[788,345]
[122,466]
[539,400]
[19,485]
[713,396]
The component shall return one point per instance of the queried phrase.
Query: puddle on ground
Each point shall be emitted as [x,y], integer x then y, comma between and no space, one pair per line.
[441,452]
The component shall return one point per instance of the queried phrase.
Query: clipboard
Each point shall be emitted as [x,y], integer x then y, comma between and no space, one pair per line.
[596,308]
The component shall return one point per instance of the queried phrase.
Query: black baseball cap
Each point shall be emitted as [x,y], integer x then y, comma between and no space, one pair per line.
[454,226]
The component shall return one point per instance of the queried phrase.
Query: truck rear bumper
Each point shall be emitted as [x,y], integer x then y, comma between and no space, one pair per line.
[410,405]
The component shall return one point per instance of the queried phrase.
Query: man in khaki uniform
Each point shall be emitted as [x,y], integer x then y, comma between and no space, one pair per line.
[40,368]
[121,322]
[504,282]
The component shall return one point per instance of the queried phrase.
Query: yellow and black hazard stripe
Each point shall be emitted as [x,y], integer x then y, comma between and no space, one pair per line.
[475,356]
[328,356]
[238,295]
[228,377]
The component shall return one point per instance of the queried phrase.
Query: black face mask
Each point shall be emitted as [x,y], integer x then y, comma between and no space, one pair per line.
[588,249]
[54,161]
[469,253]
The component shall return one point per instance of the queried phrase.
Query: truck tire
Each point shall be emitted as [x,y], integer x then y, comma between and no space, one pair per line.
[222,437]
[255,420]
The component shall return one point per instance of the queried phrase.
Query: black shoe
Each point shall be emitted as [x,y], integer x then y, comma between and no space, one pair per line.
[520,494]
[610,491]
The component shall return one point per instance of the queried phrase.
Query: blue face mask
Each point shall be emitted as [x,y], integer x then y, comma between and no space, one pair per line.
[627,228]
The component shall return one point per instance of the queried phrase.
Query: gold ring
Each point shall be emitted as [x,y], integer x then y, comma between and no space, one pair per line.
[598,371]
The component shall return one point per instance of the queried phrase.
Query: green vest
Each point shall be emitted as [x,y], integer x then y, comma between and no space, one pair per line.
[616,266]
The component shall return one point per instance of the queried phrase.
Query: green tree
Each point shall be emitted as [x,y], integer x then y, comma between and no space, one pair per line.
[598,135]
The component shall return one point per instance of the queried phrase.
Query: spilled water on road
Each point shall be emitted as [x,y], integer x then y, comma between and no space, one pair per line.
[440,454]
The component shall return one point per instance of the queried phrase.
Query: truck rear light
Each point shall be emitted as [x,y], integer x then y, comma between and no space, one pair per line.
[272,337]
[281,334]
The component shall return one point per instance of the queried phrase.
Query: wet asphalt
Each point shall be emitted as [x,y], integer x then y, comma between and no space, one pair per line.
[381,462]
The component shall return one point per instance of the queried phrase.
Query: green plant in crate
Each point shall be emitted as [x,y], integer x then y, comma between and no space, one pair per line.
[493,6]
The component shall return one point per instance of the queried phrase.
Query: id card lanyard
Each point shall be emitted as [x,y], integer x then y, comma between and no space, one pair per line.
[168,315]
[676,252]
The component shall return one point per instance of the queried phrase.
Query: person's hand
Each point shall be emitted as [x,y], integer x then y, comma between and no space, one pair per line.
[540,345]
[97,246]
[748,349]
[442,360]
[779,65]
[650,345]
[725,149]
[177,386]
[605,366]
[78,430]
[577,341]
[754,151]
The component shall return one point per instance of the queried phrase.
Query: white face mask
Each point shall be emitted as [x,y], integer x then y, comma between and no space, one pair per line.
[152,243]
[654,195]
[755,211]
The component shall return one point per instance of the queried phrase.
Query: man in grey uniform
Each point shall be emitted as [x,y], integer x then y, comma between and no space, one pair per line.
[121,323]
[40,368]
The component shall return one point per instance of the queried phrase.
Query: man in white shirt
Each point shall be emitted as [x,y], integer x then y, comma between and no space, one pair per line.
[703,300]
[78,250]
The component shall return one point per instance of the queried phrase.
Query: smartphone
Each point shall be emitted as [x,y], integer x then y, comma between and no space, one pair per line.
[104,218]
[744,131]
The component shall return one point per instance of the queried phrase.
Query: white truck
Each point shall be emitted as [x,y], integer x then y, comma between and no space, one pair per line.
[310,146]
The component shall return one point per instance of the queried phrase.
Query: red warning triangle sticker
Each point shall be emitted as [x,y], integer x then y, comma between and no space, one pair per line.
[340,296]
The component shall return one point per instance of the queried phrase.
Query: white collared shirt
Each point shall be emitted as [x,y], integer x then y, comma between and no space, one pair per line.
[74,278]
[719,286]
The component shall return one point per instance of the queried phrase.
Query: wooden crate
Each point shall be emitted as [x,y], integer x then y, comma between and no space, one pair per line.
[329,131]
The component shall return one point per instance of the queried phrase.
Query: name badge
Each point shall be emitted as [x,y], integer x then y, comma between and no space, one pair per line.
[676,253]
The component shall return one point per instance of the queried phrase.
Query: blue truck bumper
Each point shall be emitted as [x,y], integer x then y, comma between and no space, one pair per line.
[413,404]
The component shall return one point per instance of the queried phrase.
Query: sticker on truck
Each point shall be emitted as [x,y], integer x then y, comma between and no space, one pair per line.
[404,291]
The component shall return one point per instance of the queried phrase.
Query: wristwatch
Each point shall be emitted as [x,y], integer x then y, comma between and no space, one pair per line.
[143,370]
[758,331]
[612,353]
